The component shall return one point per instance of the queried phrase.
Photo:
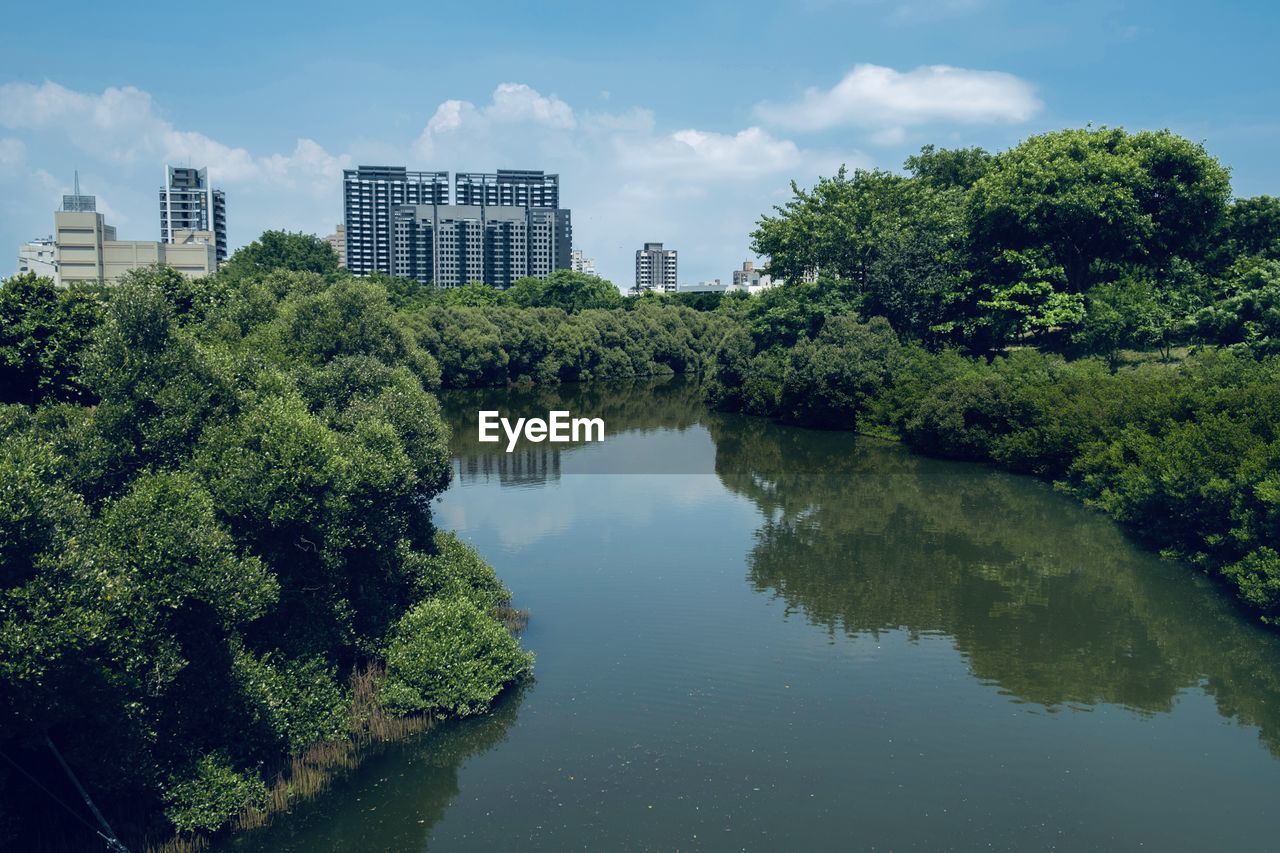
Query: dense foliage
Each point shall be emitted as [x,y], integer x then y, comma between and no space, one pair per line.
[214,494]
[214,507]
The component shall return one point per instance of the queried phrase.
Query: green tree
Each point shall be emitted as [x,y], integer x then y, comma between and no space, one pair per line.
[282,250]
[44,331]
[949,168]
[567,290]
[448,656]
[1091,197]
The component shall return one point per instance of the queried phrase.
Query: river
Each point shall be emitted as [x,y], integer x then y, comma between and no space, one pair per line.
[758,637]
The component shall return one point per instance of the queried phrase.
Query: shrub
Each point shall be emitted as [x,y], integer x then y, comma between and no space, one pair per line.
[447,656]
[214,794]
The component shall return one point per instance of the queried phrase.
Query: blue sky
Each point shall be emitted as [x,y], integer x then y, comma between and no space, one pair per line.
[679,122]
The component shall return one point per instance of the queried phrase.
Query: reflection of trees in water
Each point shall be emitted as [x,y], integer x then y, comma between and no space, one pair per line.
[625,406]
[397,796]
[1045,598]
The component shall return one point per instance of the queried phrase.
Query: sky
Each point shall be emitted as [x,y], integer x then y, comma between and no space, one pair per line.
[674,122]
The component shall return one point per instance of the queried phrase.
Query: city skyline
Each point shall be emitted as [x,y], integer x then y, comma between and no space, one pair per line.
[692,142]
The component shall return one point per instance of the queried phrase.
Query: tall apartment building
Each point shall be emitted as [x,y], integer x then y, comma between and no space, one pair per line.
[504,225]
[188,202]
[655,269]
[507,188]
[454,244]
[370,197]
[579,262]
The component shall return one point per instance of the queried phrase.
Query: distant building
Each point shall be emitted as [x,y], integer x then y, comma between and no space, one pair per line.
[655,269]
[40,256]
[370,197]
[453,244]
[505,225]
[751,279]
[507,188]
[712,286]
[338,240]
[188,202]
[87,251]
[579,262]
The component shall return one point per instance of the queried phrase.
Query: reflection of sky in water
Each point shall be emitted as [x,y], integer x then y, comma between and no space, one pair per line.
[830,644]
[519,517]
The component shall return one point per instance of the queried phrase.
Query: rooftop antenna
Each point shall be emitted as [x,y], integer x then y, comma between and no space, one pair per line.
[77,190]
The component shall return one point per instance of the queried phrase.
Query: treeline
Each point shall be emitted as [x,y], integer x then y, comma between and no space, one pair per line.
[1084,241]
[216,549]
[1188,456]
[1008,294]
[214,493]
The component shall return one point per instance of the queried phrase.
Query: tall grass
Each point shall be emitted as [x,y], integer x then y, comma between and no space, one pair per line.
[311,772]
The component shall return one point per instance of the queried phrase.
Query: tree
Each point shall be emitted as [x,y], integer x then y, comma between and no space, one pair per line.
[447,655]
[44,331]
[474,294]
[949,168]
[898,241]
[1252,227]
[566,289]
[1091,197]
[836,227]
[282,250]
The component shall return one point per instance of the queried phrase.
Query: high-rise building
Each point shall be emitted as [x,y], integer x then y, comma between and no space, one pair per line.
[507,187]
[655,269]
[504,225]
[579,262]
[188,202]
[370,197]
[454,244]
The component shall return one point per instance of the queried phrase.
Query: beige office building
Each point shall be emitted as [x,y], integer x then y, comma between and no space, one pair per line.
[338,240]
[88,251]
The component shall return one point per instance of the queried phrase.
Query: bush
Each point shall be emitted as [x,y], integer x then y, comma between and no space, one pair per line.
[456,570]
[448,656]
[213,794]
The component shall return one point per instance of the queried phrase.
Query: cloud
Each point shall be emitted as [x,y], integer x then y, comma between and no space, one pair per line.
[12,154]
[512,103]
[705,155]
[626,179]
[874,96]
[123,126]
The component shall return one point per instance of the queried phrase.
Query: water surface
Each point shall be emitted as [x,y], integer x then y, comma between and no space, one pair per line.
[758,637]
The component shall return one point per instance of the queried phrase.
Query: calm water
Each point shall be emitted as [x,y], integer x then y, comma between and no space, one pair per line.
[758,637]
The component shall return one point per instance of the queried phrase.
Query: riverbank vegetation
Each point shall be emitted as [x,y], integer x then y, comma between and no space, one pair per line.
[214,494]
[983,307]
[219,569]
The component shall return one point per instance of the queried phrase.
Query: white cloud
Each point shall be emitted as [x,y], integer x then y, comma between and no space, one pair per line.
[512,103]
[123,126]
[878,97]
[625,178]
[696,153]
[12,154]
